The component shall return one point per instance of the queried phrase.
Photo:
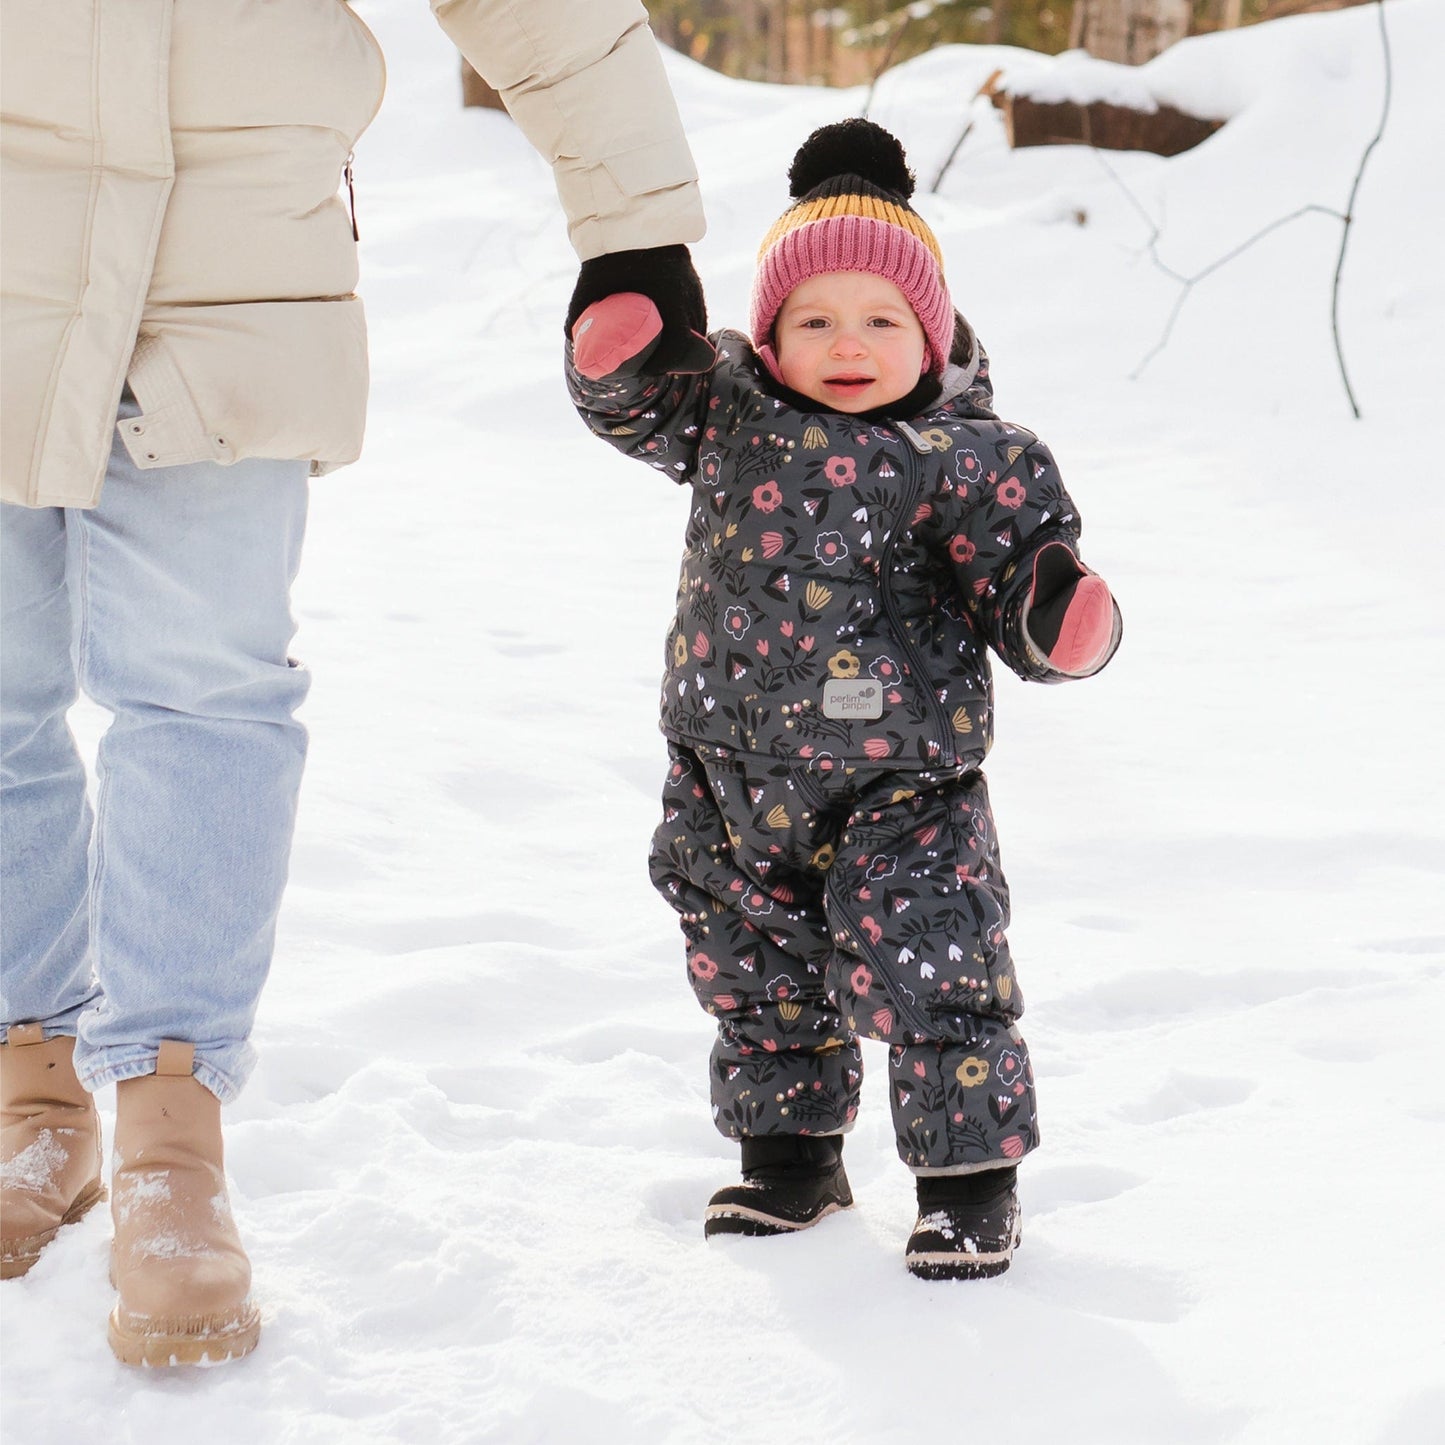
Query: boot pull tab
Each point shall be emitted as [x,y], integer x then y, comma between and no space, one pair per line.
[175,1058]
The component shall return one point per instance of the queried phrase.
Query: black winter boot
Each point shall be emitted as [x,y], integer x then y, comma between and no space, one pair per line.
[968,1225]
[790,1181]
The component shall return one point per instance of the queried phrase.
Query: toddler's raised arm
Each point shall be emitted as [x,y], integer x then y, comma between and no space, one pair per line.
[638,364]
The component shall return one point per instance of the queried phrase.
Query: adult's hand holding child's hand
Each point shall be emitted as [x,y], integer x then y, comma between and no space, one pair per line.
[612,288]
[1070,616]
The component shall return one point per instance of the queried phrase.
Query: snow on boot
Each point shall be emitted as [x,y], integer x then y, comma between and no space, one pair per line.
[49,1145]
[968,1225]
[177,1261]
[790,1182]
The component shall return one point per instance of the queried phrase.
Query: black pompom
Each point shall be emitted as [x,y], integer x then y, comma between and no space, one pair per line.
[850,148]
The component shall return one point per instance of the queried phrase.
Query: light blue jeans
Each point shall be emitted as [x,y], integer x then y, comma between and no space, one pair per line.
[169,605]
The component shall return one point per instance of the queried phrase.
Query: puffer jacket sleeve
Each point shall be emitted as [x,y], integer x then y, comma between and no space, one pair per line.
[586,84]
[659,420]
[992,529]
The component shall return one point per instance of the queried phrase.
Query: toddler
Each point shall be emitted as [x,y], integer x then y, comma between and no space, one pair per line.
[863,527]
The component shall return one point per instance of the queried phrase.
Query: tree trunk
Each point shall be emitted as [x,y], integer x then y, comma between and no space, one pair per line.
[1129,32]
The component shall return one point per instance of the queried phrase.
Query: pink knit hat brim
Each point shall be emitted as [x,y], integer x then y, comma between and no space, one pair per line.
[854,243]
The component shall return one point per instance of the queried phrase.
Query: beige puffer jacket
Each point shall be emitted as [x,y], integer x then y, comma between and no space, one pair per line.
[170,211]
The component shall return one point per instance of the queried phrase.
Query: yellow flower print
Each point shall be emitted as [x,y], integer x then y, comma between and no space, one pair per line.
[822,860]
[844,664]
[679,651]
[814,437]
[972,1072]
[790,1011]
[936,437]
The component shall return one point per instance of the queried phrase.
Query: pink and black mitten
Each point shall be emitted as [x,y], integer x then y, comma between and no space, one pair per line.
[635,311]
[1070,617]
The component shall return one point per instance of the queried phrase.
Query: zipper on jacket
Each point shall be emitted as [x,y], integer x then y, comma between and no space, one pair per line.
[948,755]
[351,194]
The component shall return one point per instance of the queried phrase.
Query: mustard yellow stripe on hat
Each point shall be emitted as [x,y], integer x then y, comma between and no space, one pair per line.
[826,207]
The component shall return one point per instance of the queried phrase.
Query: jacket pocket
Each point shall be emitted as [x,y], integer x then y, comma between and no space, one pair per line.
[656,167]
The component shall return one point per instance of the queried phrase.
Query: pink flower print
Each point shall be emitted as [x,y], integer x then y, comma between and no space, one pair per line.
[841,471]
[781,988]
[762,646]
[736,621]
[883,1021]
[805,644]
[861,980]
[830,548]
[923,512]
[767,497]
[961,549]
[704,967]
[920,1068]
[1012,1146]
[876,748]
[884,669]
[725,1000]
[701,646]
[925,836]
[772,542]
[786,628]
[967,465]
[1011,493]
[1009,1066]
[882,866]
[770,1045]
[711,464]
[871,928]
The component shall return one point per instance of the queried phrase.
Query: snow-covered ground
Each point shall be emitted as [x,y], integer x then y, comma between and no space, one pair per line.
[471,1165]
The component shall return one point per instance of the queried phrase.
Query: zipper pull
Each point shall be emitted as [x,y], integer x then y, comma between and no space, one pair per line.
[351,195]
[922,447]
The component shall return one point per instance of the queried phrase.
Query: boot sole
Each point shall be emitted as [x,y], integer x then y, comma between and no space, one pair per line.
[738,1219]
[160,1350]
[22,1253]
[950,1264]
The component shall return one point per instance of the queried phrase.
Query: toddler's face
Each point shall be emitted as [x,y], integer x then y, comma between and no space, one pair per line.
[850,340]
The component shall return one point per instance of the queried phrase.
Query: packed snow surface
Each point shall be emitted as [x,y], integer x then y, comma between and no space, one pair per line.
[472,1163]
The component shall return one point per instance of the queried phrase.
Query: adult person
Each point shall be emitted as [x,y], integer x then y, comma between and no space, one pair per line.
[183,349]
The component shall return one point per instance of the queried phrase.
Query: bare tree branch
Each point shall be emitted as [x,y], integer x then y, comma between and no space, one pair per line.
[1345,217]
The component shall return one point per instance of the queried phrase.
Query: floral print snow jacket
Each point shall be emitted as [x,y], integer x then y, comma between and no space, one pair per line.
[840,578]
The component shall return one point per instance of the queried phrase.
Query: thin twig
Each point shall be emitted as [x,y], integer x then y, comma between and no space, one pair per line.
[1350,213]
[893,44]
[1345,217]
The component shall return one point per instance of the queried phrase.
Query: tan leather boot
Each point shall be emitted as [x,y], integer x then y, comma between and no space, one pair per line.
[177,1261]
[49,1145]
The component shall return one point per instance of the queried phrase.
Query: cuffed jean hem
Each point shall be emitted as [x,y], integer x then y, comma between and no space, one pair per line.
[114,1066]
[65,1024]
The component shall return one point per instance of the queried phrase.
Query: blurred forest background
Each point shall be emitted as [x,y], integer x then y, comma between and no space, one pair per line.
[804,42]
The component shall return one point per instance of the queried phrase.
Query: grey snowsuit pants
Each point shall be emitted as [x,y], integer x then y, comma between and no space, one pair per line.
[821,904]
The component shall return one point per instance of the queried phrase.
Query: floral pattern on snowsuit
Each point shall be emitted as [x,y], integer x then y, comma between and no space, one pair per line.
[826,839]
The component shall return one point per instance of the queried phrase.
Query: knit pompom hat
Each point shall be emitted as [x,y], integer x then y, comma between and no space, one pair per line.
[850,185]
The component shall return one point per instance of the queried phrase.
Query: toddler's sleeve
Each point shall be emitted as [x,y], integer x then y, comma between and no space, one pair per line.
[657,419]
[1005,503]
